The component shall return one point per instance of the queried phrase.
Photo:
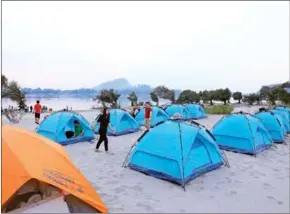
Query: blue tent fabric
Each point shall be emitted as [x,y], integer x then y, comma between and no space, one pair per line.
[242,133]
[283,108]
[158,115]
[175,151]
[121,121]
[273,124]
[196,111]
[178,109]
[56,124]
[285,118]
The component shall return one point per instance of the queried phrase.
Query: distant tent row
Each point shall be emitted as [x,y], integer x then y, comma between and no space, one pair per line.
[59,126]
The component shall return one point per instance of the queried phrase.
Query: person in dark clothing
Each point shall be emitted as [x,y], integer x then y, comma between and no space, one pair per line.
[31,108]
[104,121]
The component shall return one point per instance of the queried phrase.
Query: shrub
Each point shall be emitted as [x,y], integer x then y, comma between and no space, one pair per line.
[219,109]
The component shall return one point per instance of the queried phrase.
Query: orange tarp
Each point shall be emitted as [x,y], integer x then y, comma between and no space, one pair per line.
[27,155]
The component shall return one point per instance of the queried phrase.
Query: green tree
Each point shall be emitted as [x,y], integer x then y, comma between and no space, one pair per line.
[133,98]
[212,95]
[205,96]
[12,91]
[154,98]
[108,96]
[188,96]
[163,92]
[264,92]
[286,84]
[4,82]
[250,99]
[223,95]
[238,96]
[172,96]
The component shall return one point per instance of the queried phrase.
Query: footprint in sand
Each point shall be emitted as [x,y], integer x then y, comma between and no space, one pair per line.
[201,188]
[233,192]
[271,197]
[266,185]
[280,202]
[118,190]
[147,207]
[200,182]
[232,173]
[137,188]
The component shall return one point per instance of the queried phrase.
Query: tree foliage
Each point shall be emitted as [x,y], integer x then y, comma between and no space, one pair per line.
[12,91]
[251,98]
[109,96]
[188,96]
[274,94]
[154,98]
[204,96]
[238,96]
[212,95]
[223,95]
[164,93]
[133,98]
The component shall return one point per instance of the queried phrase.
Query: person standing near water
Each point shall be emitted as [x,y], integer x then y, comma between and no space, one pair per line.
[37,110]
[104,121]
[147,118]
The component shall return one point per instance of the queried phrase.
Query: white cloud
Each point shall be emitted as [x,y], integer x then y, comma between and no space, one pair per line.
[197,45]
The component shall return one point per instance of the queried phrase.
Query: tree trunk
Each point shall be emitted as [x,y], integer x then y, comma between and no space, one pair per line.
[225,102]
[239,101]
[211,103]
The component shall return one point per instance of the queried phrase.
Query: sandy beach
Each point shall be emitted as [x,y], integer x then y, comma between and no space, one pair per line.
[251,184]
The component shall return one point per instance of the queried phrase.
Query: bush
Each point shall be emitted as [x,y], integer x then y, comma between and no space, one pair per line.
[219,109]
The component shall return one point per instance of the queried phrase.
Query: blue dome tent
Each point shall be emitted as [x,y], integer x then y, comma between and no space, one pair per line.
[171,110]
[175,151]
[285,118]
[242,133]
[285,109]
[121,121]
[58,124]
[158,115]
[196,111]
[273,124]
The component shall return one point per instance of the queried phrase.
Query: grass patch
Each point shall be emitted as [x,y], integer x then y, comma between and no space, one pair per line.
[219,109]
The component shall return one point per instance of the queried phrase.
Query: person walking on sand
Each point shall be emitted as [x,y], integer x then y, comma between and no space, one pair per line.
[37,111]
[104,121]
[148,113]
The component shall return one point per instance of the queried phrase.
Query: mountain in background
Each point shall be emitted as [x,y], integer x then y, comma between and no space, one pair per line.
[117,84]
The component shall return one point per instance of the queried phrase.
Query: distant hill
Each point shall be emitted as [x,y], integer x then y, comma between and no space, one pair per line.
[118,84]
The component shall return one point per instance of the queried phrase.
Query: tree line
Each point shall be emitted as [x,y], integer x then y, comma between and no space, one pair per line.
[12,91]
[270,94]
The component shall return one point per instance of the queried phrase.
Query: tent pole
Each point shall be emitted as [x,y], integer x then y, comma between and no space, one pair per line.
[226,159]
[181,147]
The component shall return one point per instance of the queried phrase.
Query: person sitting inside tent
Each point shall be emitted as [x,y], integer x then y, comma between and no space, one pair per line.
[79,131]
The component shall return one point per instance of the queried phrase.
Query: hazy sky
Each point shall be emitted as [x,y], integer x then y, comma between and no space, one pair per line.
[195,45]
